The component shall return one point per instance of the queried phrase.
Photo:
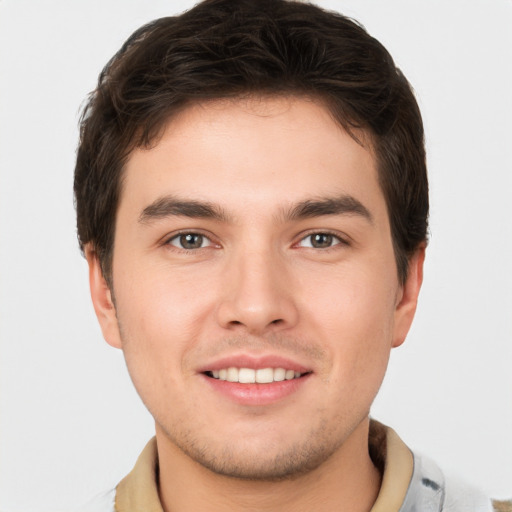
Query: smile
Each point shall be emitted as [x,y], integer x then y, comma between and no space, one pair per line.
[254,376]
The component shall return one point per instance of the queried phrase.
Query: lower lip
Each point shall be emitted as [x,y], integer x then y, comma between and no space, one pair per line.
[257,394]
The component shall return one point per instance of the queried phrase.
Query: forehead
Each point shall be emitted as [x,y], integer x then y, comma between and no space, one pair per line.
[247,152]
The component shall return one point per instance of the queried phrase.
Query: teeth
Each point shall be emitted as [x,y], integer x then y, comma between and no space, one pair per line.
[265,375]
[232,375]
[251,376]
[246,375]
[279,374]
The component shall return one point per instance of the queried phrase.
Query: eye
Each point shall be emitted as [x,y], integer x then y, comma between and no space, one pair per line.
[190,241]
[320,241]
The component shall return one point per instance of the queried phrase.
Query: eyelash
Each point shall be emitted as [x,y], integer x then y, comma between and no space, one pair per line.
[178,236]
[337,240]
[335,237]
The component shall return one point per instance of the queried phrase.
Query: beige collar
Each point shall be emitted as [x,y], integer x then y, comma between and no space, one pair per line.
[139,489]
[398,467]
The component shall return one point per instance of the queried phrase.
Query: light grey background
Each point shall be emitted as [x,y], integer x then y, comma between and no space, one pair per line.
[71,424]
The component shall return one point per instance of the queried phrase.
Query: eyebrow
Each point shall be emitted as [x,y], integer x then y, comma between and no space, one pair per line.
[344,204]
[169,206]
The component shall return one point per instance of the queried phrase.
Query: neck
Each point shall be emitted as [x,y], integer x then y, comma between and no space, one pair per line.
[348,480]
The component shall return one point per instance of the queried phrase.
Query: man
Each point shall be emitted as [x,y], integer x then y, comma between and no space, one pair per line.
[252,201]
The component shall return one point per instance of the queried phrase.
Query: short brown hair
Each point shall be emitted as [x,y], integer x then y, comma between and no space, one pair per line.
[232,48]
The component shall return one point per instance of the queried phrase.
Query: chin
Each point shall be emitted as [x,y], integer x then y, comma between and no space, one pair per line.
[287,465]
[261,460]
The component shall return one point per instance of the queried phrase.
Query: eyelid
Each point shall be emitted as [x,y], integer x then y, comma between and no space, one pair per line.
[167,239]
[342,238]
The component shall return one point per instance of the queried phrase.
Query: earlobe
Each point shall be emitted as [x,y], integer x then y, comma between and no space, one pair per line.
[406,306]
[102,299]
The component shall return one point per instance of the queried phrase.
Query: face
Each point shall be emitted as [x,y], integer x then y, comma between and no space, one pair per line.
[256,291]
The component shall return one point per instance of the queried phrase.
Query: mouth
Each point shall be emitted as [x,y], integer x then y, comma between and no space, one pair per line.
[255,376]
[255,380]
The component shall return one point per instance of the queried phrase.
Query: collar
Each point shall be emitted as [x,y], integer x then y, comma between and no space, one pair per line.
[398,464]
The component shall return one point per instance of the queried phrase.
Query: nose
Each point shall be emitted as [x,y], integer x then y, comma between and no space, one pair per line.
[258,294]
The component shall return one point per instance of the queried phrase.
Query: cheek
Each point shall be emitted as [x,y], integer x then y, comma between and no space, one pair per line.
[155,333]
[162,301]
[354,311]
[350,301]
[160,317]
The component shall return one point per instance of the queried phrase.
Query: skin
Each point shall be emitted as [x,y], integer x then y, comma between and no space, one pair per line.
[259,285]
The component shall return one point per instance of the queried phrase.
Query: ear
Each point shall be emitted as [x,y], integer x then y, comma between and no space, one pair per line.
[102,299]
[408,297]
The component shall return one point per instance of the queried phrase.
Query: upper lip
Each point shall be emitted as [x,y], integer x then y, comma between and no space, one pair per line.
[255,362]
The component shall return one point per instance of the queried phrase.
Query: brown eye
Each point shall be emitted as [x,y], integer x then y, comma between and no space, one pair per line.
[190,241]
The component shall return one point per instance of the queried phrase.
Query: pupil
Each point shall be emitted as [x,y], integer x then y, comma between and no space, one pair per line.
[322,240]
[191,241]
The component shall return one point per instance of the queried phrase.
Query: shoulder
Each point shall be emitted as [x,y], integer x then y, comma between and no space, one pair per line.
[464,496]
[430,485]
[103,502]
[461,495]
[502,506]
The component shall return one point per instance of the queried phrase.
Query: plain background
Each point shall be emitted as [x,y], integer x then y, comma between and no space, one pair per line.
[71,423]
